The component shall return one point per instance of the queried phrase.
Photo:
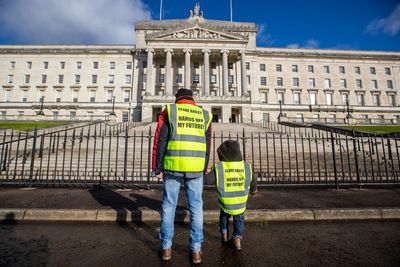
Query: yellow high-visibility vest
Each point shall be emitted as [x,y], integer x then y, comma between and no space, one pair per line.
[233,184]
[186,148]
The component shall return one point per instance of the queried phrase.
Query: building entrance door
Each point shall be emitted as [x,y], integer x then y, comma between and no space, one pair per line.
[156,113]
[236,115]
[217,114]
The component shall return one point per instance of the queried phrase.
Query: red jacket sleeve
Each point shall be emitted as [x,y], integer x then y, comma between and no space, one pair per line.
[160,142]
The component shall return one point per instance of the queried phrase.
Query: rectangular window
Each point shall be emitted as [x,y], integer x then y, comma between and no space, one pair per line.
[128,65]
[24,96]
[112,65]
[345,98]
[125,116]
[374,84]
[57,96]
[12,65]
[75,96]
[10,79]
[279,67]
[128,79]
[60,79]
[45,65]
[263,81]
[127,96]
[388,71]
[327,83]
[179,78]
[109,96]
[230,79]
[311,82]
[110,79]
[7,96]
[262,67]
[392,100]
[92,96]
[359,83]
[343,83]
[77,79]
[279,81]
[342,70]
[281,98]
[296,82]
[94,79]
[295,68]
[213,79]
[264,97]
[44,78]
[62,65]
[29,65]
[313,98]
[72,115]
[27,78]
[213,65]
[357,70]
[196,78]
[372,70]
[311,68]
[20,114]
[360,99]
[326,69]
[161,78]
[296,98]
[95,65]
[389,84]
[230,66]
[247,65]
[328,98]
[248,79]
[376,100]
[55,115]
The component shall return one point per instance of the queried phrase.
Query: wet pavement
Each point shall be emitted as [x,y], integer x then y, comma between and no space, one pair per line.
[279,244]
[91,198]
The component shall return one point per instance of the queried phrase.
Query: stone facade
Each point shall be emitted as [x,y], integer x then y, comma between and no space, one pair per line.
[219,60]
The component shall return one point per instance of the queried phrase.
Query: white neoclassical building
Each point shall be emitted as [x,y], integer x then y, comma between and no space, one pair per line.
[219,60]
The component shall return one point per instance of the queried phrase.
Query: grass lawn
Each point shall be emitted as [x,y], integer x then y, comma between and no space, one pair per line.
[30,125]
[379,129]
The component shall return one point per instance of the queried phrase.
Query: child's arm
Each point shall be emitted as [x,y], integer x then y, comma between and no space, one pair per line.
[253,185]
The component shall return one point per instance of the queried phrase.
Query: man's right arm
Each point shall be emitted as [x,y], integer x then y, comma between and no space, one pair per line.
[160,143]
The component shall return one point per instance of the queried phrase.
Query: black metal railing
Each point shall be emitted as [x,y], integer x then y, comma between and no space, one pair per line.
[121,156]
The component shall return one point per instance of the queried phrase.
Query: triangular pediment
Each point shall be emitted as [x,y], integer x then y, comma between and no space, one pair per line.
[194,33]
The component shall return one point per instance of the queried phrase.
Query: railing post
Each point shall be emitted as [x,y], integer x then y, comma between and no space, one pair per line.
[244,145]
[32,158]
[126,154]
[4,167]
[148,160]
[334,160]
[356,159]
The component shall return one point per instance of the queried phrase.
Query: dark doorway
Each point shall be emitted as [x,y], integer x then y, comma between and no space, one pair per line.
[156,113]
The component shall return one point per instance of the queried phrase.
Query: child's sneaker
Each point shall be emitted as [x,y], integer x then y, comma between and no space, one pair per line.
[236,243]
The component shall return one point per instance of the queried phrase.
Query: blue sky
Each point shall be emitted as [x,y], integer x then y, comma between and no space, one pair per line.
[340,24]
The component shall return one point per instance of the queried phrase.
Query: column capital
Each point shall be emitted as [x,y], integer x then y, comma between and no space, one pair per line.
[151,50]
[224,51]
[242,51]
[186,50]
[206,51]
[169,50]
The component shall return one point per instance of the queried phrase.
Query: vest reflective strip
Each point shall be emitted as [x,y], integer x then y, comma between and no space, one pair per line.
[233,207]
[177,145]
[186,153]
[185,137]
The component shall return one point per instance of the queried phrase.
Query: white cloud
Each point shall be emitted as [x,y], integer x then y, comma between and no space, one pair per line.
[310,43]
[72,21]
[389,25]
[263,37]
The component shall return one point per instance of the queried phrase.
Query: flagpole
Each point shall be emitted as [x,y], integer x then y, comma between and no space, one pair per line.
[231,10]
[161,7]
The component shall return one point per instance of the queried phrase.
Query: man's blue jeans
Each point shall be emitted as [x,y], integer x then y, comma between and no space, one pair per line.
[194,192]
[238,224]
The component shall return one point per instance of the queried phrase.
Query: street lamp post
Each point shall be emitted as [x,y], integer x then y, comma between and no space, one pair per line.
[41,106]
[113,106]
[348,116]
[280,111]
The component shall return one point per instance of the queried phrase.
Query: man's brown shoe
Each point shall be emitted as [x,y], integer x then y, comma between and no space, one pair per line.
[236,243]
[224,238]
[196,257]
[166,254]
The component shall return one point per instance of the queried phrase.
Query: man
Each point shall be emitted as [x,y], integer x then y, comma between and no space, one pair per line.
[180,155]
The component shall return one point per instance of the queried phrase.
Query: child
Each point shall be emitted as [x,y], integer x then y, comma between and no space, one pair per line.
[234,179]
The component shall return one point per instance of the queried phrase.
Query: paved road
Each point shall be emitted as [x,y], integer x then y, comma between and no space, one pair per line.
[284,244]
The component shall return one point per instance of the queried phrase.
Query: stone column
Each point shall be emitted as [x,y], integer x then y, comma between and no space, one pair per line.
[206,83]
[168,72]
[225,84]
[187,68]
[243,90]
[149,84]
